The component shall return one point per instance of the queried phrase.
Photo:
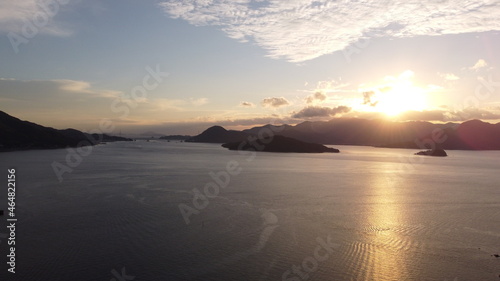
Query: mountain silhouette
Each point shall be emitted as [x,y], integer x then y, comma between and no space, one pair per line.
[469,135]
[218,134]
[16,134]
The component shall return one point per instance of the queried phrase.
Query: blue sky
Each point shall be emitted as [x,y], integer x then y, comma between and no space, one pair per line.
[243,63]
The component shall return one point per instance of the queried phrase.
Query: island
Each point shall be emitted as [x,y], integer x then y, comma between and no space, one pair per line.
[439,152]
[279,144]
[217,134]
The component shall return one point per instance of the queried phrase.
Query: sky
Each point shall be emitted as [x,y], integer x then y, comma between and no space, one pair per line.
[178,67]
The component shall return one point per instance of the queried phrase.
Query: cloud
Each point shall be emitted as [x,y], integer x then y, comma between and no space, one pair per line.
[59,103]
[405,75]
[32,15]
[471,113]
[479,64]
[367,98]
[448,76]
[274,102]
[246,104]
[434,88]
[330,86]
[51,91]
[425,115]
[316,111]
[318,96]
[163,104]
[302,30]
[198,102]
[194,127]
[446,114]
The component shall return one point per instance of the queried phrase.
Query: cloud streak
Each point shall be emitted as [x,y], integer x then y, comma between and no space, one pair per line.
[69,103]
[199,101]
[302,30]
[449,76]
[32,16]
[317,111]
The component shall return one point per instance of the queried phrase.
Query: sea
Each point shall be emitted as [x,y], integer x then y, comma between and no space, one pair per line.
[158,210]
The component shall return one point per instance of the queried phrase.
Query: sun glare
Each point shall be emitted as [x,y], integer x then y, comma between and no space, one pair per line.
[396,96]
[401,98]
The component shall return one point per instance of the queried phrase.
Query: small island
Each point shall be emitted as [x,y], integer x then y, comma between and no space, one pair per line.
[279,144]
[439,152]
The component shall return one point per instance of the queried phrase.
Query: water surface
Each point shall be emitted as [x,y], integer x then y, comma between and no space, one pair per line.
[388,215]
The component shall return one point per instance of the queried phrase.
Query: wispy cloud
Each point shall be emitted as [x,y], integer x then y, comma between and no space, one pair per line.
[199,101]
[60,103]
[69,103]
[331,86]
[52,90]
[449,76]
[32,16]
[274,102]
[424,115]
[301,30]
[472,113]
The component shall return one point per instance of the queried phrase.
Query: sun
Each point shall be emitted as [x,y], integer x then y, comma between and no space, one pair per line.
[394,95]
[400,98]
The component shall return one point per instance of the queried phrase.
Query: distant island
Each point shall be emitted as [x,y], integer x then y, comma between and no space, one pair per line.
[469,135]
[16,134]
[433,152]
[279,144]
[217,134]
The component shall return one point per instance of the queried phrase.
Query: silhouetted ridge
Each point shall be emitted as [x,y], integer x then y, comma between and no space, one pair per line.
[16,134]
[108,138]
[470,135]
